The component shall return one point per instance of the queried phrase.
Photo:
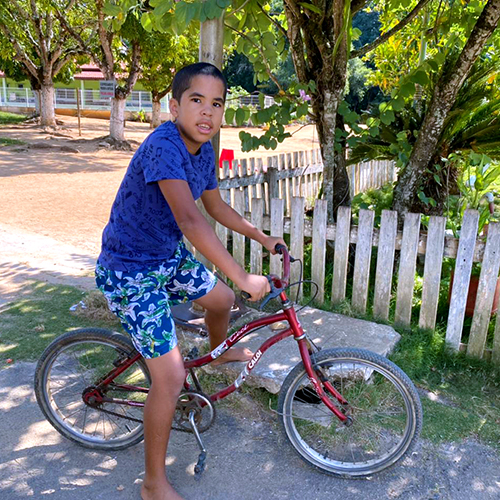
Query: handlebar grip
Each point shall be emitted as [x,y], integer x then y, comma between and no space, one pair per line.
[245,295]
[279,248]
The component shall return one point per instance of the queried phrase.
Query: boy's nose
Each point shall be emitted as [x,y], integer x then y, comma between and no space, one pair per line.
[207,110]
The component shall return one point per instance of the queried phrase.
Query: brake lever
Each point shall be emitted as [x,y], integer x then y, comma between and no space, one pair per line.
[275,292]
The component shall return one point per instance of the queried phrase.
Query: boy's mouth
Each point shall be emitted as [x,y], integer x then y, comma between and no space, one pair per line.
[204,128]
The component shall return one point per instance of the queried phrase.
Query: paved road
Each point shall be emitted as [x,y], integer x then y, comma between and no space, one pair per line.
[248,460]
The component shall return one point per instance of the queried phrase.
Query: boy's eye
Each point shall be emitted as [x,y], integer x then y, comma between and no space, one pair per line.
[196,99]
[217,104]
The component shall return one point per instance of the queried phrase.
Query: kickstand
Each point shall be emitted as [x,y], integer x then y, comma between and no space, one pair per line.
[200,465]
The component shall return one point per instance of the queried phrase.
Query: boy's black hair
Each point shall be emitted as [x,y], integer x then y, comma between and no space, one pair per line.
[182,79]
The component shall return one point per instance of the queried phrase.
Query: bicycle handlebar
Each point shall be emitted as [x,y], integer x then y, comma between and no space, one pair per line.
[277,284]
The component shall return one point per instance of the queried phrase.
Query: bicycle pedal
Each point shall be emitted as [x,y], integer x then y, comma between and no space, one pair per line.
[200,466]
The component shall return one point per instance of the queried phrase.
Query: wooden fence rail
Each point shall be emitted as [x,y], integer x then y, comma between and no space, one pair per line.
[297,174]
[396,255]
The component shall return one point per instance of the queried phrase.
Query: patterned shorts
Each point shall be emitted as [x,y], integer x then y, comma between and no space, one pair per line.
[142,299]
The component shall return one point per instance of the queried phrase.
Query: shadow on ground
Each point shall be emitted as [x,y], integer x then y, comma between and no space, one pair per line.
[247,460]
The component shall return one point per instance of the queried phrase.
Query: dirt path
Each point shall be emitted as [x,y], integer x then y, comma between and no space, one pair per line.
[56,191]
[67,196]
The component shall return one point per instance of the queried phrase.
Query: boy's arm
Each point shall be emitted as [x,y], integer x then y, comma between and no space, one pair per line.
[225,215]
[198,231]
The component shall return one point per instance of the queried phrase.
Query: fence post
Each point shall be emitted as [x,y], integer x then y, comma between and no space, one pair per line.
[463,267]
[407,267]
[277,214]
[256,248]
[297,238]
[362,260]
[385,264]
[432,272]
[319,248]
[485,292]
[272,172]
[239,239]
[341,256]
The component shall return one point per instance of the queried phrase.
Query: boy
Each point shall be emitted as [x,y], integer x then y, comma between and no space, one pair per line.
[144,268]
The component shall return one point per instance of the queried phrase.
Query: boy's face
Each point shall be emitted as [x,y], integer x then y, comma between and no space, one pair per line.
[200,111]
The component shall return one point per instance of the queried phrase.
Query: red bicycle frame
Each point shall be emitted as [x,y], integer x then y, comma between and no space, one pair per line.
[315,375]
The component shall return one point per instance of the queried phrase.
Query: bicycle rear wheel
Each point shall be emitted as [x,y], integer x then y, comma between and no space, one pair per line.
[70,367]
[383,407]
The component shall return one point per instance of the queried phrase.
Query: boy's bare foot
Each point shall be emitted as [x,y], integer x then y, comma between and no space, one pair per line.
[163,491]
[233,354]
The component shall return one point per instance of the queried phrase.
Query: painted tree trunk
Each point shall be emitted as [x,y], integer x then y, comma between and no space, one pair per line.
[47,112]
[117,119]
[156,114]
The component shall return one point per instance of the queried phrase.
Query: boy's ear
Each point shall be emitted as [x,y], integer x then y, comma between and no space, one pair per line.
[174,107]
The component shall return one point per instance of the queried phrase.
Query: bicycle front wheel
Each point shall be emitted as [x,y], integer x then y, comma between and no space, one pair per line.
[73,365]
[383,409]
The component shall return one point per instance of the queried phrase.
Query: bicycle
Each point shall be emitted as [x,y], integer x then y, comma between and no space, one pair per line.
[346,411]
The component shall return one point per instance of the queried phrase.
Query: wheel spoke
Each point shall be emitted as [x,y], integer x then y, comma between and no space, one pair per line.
[75,366]
[381,410]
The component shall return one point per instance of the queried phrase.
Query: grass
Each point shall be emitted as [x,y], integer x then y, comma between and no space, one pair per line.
[460,395]
[463,393]
[28,325]
[10,118]
[5,141]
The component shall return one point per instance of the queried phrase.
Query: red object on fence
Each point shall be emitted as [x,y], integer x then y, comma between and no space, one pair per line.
[226,155]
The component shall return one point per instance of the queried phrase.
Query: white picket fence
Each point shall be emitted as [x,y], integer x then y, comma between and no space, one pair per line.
[396,255]
[296,174]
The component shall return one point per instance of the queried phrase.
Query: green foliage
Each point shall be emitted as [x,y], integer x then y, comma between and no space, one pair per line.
[478,176]
[373,199]
[26,26]
[163,54]
[465,392]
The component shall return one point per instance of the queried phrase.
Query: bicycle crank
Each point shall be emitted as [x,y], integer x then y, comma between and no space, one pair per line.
[194,413]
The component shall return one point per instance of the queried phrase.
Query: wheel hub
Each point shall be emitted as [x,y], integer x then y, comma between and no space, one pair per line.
[92,397]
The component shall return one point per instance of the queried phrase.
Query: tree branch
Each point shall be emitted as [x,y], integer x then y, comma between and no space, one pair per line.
[276,23]
[296,41]
[369,47]
[35,16]
[135,67]
[264,60]
[21,55]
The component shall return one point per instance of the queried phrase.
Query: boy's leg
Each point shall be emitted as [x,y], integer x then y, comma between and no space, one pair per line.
[167,377]
[217,304]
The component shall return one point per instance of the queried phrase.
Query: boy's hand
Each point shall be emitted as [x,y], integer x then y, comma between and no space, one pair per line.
[255,285]
[271,241]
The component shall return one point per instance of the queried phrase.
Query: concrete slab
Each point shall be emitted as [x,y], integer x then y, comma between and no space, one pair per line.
[326,329]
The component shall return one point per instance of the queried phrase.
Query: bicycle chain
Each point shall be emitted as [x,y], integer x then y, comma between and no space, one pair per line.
[118,415]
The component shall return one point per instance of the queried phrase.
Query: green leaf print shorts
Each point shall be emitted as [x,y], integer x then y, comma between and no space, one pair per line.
[142,299]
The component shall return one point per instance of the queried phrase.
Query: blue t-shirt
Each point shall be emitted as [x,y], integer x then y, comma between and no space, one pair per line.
[142,231]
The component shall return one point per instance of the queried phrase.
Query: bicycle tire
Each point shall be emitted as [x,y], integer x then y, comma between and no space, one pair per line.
[69,366]
[378,437]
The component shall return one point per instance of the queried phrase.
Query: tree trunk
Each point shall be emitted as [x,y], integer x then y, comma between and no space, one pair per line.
[117,119]
[156,114]
[445,93]
[47,113]
[335,178]
[36,93]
